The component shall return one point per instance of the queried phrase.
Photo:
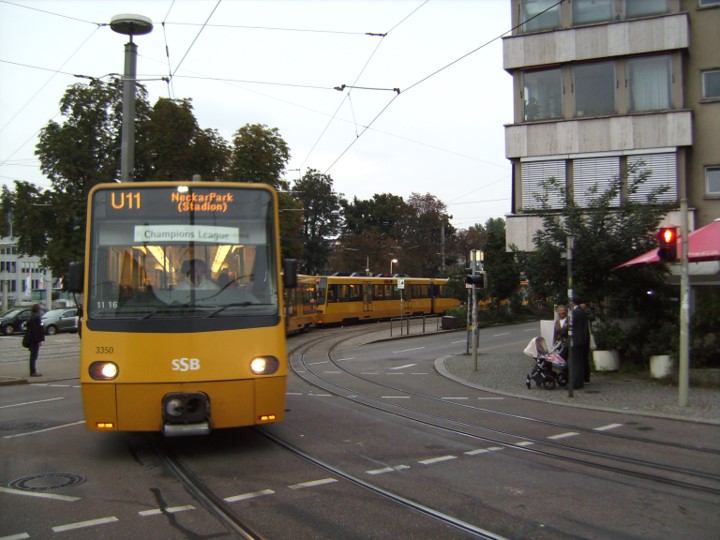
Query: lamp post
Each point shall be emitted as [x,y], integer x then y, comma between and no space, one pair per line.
[393,261]
[129,25]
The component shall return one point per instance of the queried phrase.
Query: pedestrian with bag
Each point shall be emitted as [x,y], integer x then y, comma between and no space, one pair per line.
[34,336]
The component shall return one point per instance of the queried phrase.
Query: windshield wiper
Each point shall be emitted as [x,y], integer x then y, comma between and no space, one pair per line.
[237,304]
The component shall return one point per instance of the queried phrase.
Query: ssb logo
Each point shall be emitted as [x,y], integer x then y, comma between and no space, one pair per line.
[185,364]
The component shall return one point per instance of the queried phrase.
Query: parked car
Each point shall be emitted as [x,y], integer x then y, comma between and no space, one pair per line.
[14,320]
[60,320]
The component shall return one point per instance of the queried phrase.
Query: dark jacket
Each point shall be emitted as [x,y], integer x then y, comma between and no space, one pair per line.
[35,331]
[580,329]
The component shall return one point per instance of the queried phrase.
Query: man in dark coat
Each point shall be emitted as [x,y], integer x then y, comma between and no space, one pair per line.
[580,369]
[34,336]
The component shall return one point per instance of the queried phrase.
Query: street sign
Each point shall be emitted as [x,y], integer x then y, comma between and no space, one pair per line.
[401,284]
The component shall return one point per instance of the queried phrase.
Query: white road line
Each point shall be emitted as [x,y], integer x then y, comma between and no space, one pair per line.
[37,494]
[369,373]
[530,330]
[319,363]
[59,385]
[476,452]
[168,510]
[394,397]
[294,393]
[403,367]
[313,483]
[419,374]
[345,359]
[609,426]
[453,398]
[331,372]
[388,469]
[83,524]
[432,461]
[494,448]
[563,435]
[320,395]
[19,536]
[31,402]
[498,335]
[491,398]
[408,350]
[461,341]
[524,443]
[44,430]
[246,496]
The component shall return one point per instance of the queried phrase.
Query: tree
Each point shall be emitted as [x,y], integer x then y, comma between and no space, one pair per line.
[259,154]
[605,236]
[424,236]
[321,219]
[173,147]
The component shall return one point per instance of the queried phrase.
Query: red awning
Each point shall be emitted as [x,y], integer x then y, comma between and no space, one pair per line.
[703,245]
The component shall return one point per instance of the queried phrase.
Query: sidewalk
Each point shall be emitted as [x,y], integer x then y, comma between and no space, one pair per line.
[505,374]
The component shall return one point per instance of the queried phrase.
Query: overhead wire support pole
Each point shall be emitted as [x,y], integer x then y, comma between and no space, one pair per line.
[569,255]
[684,353]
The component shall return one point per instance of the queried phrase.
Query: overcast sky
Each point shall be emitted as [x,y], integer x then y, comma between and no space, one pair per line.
[277,63]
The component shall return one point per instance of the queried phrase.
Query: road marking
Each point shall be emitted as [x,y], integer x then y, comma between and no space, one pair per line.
[394,397]
[432,461]
[494,448]
[318,363]
[37,494]
[332,372]
[246,496]
[344,359]
[31,402]
[408,350]
[83,524]
[524,443]
[476,452]
[168,510]
[44,430]
[388,469]
[563,435]
[462,341]
[294,393]
[491,398]
[369,373]
[499,335]
[19,536]
[609,426]
[313,483]
[403,367]
[320,395]
[451,398]
[59,385]
[419,374]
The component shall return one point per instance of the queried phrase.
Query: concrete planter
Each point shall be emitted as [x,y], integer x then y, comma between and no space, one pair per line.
[660,366]
[606,360]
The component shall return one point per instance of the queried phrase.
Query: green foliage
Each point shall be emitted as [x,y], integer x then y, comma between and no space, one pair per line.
[704,335]
[609,336]
[259,155]
[605,236]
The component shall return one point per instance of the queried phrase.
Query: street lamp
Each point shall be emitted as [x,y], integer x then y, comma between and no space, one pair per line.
[129,25]
[394,261]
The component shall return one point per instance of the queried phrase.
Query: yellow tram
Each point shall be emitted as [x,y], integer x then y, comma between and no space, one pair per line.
[183,328]
[350,299]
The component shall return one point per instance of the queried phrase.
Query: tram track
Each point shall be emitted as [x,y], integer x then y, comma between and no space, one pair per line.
[683,477]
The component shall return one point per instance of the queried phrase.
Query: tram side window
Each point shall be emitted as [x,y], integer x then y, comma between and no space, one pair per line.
[354,293]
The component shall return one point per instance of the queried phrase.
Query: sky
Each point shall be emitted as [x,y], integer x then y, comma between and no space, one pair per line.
[278,63]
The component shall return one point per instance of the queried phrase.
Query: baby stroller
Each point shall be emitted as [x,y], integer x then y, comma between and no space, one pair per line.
[550,368]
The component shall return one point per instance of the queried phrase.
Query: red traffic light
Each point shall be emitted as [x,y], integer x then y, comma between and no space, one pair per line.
[667,244]
[667,236]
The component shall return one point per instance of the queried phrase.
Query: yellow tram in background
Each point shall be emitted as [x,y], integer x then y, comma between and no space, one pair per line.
[183,328]
[351,299]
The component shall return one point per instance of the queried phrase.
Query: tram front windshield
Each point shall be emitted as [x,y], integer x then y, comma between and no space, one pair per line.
[164,252]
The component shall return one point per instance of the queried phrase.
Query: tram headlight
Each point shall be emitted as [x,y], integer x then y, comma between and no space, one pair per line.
[264,365]
[103,371]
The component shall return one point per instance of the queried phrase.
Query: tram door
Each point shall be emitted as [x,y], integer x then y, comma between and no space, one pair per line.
[367,300]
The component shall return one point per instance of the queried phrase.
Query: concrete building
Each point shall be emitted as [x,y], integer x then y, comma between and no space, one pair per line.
[19,275]
[601,85]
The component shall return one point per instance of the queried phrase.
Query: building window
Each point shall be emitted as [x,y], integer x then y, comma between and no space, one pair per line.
[534,174]
[643,8]
[540,15]
[649,83]
[592,11]
[711,83]
[542,94]
[661,170]
[712,180]
[706,3]
[594,88]
[592,177]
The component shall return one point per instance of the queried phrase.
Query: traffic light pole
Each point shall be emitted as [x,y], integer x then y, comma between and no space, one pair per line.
[684,353]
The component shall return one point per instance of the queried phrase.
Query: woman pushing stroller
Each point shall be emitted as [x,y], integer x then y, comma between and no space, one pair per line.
[560,334]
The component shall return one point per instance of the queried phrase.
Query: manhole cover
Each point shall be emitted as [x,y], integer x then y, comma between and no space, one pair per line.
[47,481]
